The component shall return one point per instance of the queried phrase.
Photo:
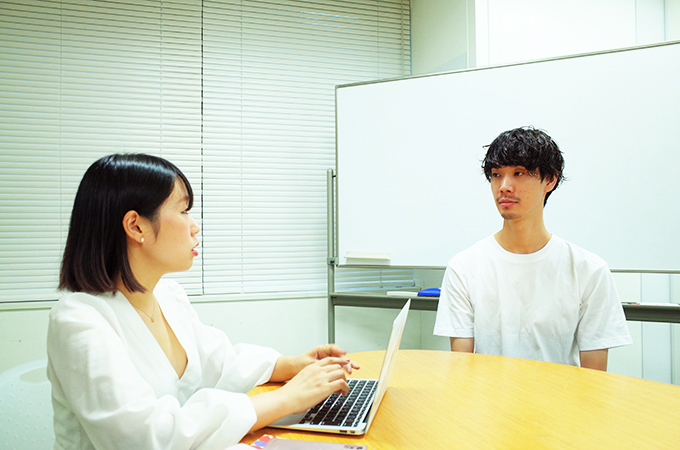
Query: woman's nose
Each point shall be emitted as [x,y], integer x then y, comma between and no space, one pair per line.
[194,227]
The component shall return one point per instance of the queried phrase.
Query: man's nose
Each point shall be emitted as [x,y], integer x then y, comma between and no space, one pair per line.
[506,184]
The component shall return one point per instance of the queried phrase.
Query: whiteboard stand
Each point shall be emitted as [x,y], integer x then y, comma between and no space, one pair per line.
[330,218]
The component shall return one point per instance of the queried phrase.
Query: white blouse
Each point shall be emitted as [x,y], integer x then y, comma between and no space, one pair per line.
[113,387]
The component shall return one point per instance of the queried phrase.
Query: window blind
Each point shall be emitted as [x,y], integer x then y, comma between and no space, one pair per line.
[82,80]
[270,73]
[239,94]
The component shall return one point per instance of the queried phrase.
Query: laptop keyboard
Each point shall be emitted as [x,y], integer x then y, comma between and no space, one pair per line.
[343,410]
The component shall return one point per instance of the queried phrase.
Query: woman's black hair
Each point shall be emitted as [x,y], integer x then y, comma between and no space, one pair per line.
[527,147]
[95,255]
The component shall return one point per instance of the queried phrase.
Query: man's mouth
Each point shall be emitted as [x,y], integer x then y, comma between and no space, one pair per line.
[505,202]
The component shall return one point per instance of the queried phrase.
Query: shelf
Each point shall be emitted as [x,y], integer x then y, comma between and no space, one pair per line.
[380,299]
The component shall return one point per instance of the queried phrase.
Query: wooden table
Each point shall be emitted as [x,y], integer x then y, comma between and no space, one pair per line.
[446,400]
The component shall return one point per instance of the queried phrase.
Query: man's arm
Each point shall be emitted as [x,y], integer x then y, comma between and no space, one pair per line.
[462,344]
[593,359]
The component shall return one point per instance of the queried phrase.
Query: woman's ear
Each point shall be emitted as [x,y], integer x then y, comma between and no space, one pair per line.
[134,226]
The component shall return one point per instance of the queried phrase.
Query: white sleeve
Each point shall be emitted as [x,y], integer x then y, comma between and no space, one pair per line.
[95,382]
[602,322]
[455,313]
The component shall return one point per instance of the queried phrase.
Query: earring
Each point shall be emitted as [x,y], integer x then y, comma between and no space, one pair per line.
[142,239]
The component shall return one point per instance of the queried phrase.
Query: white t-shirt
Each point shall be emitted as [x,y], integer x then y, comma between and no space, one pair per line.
[547,305]
[114,388]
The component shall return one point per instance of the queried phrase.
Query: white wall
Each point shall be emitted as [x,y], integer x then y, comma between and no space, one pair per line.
[672,14]
[444,33]
[501,31]
[23,334]
[291,326]
[506,33]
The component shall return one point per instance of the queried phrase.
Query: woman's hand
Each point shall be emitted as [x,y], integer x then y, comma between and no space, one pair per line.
[323,351]
[315,382]
[312,384]
[288,366]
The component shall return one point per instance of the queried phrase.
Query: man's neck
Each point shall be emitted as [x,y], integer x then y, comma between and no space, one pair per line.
[518,236]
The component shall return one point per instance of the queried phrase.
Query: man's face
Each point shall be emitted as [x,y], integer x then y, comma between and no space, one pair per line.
[518,193]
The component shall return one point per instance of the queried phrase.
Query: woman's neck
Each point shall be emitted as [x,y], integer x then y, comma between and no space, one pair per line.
[143,301]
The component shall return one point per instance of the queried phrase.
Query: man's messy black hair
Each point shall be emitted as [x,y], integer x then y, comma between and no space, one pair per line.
[530,148]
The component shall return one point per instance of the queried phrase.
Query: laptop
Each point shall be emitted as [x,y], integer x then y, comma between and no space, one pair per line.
[352,413]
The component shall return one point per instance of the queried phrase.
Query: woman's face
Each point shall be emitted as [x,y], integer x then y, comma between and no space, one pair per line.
[174,246]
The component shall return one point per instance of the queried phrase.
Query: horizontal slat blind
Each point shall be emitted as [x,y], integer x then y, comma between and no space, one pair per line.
[270,72]
[30,205]
[81,80]
[239,94]
[356,279]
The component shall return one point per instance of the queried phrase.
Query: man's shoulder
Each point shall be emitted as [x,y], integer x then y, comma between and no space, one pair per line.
[479,248]
[579,255]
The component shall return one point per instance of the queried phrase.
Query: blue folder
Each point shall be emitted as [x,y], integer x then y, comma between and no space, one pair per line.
[430,292]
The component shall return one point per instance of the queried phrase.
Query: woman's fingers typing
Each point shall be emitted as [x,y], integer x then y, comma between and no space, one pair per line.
[347,364]
[316,382]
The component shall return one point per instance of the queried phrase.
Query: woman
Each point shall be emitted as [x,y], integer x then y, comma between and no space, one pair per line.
[131,365]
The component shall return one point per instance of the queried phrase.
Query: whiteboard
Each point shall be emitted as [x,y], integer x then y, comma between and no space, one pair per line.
[411,191]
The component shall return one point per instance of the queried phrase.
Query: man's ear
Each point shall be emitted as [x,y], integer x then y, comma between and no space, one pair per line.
[550,185]
[134,226]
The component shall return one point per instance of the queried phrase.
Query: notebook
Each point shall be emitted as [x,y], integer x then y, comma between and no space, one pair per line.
[335,414]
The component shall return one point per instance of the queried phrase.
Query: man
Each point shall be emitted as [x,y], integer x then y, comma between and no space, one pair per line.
[524,292]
